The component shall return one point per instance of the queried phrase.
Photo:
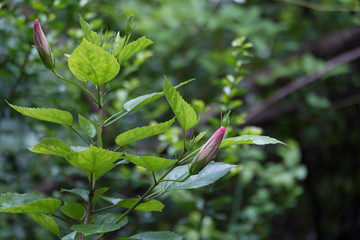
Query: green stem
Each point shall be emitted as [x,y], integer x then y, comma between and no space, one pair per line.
[105,208]
[71,127]
[100,106]
[61,218]
[122,113]
[76,84]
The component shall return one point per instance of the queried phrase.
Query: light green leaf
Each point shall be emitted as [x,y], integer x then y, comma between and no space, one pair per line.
[46,221]
[99,192]
[184,113]
[211,173]
[27,203]
[142,132]
[46,114]
[82,193]
[87,126]
[73,210]
[150,162]
[145,99]
[152,205]
[200,136]
[94,160]
[51,146]
[70,236]
[91,36]
[157,236]
[248,139]
[103,223]
[91,63]
[133,48]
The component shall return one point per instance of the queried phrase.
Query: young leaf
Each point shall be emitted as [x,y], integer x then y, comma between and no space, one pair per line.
[51,146]
[99,192]
[46,221]
[46,114]
[149,162]
[211,173]
[91,63]
[142,132]
[142,100]
[87,126]
[185,114]
[249,139]
[27,203]
[93,160]
[102,224]
[152,205]
[200,136]
[73,210]
[157,236]
[82,193]
[133,48]
[91,36]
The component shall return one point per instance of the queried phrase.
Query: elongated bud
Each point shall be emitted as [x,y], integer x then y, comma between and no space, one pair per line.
[207,152]
[42,46]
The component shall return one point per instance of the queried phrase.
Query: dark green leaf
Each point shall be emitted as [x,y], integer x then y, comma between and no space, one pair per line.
[103,225]
[99,192]
[87,126]
[157,236]
[27,203]
[82,193]
[152,205]
[184,113]
[46,114]
[142,132]
[248,139]
[211,173]
[149,162]
[91,63]
[133,48]
[73,210]
[51,146]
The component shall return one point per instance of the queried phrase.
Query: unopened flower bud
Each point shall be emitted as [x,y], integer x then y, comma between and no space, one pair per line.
[207,151]
[42,46]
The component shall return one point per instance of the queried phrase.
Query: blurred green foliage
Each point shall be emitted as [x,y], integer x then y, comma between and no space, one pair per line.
[310,187]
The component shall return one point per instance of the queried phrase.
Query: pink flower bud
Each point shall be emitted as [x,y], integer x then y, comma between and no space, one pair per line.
[207,151]
[42,46]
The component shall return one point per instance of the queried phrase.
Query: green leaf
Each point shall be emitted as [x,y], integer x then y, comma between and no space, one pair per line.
[73,210]
[91,36]
[91,63]
[87,126]
[152,205]
[145,99]
[47,222]
[82,193]
[103,223]
[248,139]
[94,160]
[142,132]
[200,136]
[46,114]
[27,203]
[70,236]
[185,114]
[99,192]
[133,48]
[157,236]
[149,162]
[211,173]
[51,146]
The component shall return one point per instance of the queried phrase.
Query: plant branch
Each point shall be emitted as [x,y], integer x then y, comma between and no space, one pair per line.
[301,82]
[89,204]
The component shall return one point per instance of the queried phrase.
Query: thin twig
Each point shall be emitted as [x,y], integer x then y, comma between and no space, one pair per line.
[301,82]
